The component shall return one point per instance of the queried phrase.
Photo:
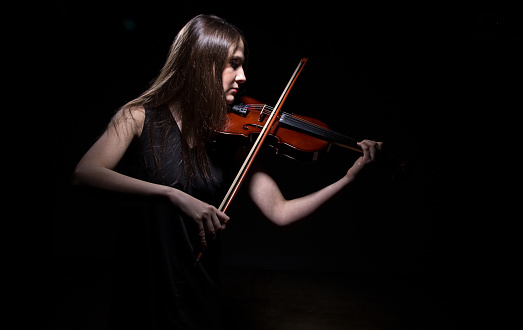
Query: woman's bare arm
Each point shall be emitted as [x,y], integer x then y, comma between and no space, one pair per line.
[96,169]
[96,166]
[267,195]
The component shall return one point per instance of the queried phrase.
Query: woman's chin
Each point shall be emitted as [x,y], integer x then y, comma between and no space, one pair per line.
[229,99]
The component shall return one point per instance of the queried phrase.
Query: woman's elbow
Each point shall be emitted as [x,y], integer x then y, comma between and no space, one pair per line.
[279,218]
[79,176]
[281,222]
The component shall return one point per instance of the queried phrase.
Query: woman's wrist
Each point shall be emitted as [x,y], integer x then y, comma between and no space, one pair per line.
[170,193]
[348,178]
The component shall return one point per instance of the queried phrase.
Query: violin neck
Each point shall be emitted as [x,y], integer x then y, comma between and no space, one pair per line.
[311,129]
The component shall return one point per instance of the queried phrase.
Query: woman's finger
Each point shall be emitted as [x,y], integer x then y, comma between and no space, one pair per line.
[223,218]
[372,147]
[216,225]
[201,234]
[209,226]
[365,147]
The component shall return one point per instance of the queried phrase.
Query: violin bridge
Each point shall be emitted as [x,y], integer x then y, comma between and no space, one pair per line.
[262,114]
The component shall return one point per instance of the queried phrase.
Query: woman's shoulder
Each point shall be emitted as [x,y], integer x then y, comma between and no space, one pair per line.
[131,119]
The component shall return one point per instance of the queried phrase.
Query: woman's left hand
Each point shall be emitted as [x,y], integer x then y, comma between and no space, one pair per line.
[371,153]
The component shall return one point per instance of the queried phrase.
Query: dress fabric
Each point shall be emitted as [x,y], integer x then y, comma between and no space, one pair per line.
[158,285]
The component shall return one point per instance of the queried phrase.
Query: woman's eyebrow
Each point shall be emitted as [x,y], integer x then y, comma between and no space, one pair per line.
[238,57]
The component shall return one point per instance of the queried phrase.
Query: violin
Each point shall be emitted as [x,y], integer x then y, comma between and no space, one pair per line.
[298,137]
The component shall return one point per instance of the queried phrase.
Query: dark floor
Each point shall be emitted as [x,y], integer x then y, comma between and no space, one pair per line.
[79,298]
[298,300]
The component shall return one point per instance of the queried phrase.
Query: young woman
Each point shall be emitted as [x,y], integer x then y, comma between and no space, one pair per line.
[167,135]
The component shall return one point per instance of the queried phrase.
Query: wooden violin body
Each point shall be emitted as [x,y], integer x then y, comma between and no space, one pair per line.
[299,137]
[247,120]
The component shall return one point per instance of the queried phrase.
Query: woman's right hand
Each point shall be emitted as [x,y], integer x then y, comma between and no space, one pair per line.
[208,218]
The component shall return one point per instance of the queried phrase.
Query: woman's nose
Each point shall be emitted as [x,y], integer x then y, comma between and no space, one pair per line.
[240,77]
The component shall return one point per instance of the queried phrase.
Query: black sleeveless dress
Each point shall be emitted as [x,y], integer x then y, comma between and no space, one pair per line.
[158,285]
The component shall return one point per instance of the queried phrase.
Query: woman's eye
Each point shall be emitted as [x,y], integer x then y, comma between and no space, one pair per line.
[235,64]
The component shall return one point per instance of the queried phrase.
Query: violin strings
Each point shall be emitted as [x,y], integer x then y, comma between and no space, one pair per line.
[320,131]
[307,125]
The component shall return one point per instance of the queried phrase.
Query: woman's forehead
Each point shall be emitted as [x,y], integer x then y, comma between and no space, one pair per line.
[237,50]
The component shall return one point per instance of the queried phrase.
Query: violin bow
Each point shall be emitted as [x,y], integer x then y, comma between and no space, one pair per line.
[238,180]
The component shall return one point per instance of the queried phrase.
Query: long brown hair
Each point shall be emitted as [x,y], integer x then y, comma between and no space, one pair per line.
[191,79]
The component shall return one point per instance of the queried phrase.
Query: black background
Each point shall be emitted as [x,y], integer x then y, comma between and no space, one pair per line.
[405,77]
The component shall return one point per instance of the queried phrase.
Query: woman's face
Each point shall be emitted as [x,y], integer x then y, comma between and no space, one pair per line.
[233,74]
